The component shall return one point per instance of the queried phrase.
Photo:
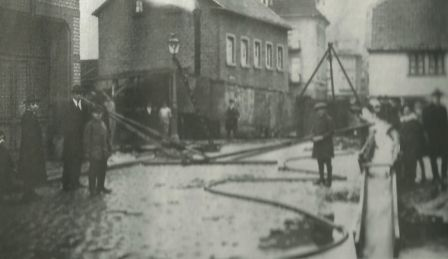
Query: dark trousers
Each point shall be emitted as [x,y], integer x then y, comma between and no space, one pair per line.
[97,174]
[322,162]
[435,167]
[409,170]
[71,173]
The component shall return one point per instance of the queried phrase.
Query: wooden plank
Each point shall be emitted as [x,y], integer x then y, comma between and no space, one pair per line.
[395,215]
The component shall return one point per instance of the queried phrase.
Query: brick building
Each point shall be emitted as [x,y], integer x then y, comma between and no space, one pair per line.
[39,55]
[233,49]
[408,45]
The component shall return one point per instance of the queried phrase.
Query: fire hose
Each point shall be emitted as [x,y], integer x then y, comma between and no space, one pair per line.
[213,189]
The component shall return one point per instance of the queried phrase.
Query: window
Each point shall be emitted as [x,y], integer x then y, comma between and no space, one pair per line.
[269,55]
[257,53]
[280,57]
[230,50]
[245,52]
[139,6]
[426,63]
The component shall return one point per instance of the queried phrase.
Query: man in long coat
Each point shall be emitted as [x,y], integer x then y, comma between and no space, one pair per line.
[6,167]
[435,123]
[323,149]
[75,117]
[32,154]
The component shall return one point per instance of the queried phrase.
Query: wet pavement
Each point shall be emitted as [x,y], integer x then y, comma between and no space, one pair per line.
[161,212]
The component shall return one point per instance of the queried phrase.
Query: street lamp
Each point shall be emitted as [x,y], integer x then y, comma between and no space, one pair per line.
[173,48]
[173,44]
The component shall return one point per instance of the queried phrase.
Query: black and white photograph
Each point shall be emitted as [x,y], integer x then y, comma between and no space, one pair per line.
[223,129]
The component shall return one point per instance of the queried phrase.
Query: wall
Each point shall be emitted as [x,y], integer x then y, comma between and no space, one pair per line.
[353,66]
[311,33]
[251,76]
[388,74]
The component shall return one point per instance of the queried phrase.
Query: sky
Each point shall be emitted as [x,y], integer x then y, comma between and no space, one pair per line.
[89,29]
[347,17]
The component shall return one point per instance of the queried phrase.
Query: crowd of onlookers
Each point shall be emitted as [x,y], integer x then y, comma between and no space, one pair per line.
[423,132]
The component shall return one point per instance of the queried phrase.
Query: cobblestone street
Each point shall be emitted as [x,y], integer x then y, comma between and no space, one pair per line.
[157,212]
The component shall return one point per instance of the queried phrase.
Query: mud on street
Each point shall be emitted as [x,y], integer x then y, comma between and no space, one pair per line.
[163,212]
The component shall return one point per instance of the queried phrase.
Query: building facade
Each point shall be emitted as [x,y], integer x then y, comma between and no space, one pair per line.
[307,44]
[39,56]
[228,49]
[353,64]
[408,47]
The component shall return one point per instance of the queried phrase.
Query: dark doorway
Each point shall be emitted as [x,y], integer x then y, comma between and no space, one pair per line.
[34,60]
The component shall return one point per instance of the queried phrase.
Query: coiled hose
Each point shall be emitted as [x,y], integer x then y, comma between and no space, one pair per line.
[212,188]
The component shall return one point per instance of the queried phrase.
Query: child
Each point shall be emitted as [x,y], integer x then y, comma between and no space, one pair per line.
[97,150]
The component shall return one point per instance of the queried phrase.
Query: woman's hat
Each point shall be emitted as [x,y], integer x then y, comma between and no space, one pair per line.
[320,105]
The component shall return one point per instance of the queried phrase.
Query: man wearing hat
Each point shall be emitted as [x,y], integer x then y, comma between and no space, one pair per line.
[97,149]
[32,169]
[435,124]
[75,117]
[323,149]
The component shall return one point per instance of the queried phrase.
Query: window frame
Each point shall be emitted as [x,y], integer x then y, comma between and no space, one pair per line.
[269,66]
[426,63]
[233,37]
[248,59]
[282,68]
[260,54]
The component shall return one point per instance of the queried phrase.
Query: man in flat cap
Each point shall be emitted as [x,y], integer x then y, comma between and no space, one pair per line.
[32,169]
[75,118]
[323,149]
[435,124]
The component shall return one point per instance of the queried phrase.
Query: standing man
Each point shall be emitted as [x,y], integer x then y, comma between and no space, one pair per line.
[32,153]
[323,149]
[75,116]
[232,116]
[97,149]
[165,118]
[435,124]
[6,167]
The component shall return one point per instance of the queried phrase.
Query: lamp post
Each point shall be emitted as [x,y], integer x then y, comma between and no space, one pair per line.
[173,48]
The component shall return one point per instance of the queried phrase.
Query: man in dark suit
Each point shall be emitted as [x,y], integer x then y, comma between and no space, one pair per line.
[75,117]
[435,124]
[6,167]
[323,150]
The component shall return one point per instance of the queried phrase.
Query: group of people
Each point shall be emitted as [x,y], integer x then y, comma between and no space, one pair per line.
[162,117]
[419,130]
[424,132]
[86,137]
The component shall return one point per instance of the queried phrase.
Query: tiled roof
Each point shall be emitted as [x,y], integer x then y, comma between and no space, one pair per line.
[305,8]
[252,8]
[249,8]
[409,25]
